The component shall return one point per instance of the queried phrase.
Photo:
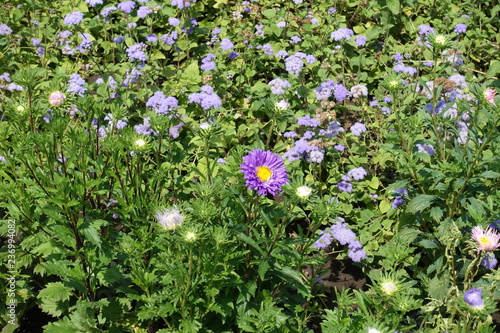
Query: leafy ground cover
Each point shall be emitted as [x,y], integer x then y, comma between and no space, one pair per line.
[218,166]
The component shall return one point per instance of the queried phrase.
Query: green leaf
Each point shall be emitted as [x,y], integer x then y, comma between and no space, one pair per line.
[250,242]
[436,214]
[263,268]
[191,74]
[421,202]
[54,298]
[494,69]
[269,13]
[393,6]
[489,174]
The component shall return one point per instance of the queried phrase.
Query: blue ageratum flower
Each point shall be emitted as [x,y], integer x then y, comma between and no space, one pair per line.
[73,18]
[5,29]
[126,6]
[264,172]
[474,298]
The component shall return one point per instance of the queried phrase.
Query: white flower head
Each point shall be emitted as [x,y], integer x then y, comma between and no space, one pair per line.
[282,105]
[169,218]
[389,287]
[303,192]
[140,143]
[190,236]
[373,330]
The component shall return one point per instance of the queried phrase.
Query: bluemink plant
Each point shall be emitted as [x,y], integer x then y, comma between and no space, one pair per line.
[344,236]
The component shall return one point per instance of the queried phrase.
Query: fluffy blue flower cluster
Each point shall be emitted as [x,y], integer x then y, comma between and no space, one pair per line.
[162,104]
[206,98]
[344,236]
[329,87]
[278,86]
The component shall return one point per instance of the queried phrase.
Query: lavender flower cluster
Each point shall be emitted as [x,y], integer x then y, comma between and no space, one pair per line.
[344,236]
[207,98]
[329,87]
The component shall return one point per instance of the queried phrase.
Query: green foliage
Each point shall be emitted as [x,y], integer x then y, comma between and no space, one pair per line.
[124,205]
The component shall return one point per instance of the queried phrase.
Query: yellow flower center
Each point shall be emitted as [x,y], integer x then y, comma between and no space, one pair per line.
[484,241]
[264,173]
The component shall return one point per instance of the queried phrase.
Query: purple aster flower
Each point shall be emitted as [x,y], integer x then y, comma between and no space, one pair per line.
[232,55]
[460,28]
[35,41]
[126,6]
[295,39]
[474,297]
[358,128]
[73,18]
[221,161]
[278,86]
[357,173]
[360,40]
[144,11]
[216,31]
[132,25]
[226,44]
[331,10]
[489,261]
[264,172]
[94,3]
[135,52]
[345,186]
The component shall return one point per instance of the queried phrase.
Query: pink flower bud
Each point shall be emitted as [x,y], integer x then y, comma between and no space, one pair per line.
[56,98]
